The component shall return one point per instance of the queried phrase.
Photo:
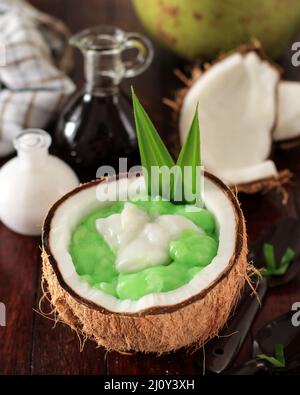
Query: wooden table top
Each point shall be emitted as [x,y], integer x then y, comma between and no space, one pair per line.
[29,344]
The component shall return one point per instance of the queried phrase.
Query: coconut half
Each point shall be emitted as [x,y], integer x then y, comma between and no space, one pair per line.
[159,322]
[288,123]
[237,110]
[240,99]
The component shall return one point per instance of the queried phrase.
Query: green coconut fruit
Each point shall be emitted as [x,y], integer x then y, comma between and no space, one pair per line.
[203,28]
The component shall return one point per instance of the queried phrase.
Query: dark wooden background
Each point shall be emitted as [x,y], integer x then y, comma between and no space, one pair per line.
[29,344]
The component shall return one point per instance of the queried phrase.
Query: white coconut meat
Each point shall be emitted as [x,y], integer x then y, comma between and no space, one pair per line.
[237,112]
[69,213]
[140,241]
[288,123]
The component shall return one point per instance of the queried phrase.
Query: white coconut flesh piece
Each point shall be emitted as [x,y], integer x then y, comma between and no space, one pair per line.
[237,112]
[247,174]
[67,213]
[139,241]
[288,122]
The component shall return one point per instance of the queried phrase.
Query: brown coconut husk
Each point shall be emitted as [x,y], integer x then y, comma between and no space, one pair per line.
[266,184]
[157,329]
[289,143]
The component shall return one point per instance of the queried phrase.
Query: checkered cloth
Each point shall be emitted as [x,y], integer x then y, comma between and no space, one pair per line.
[34,58]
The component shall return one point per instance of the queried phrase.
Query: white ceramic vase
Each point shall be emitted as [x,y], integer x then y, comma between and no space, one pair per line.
[31,182]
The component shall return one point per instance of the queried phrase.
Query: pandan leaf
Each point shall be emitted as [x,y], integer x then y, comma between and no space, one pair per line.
[153,152]
[287,257]
[271,268]
[269,256]
[279,354]
[190,157]
[278,360]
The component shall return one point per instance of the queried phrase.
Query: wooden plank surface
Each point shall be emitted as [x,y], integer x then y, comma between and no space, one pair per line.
[19,267]
[29,344]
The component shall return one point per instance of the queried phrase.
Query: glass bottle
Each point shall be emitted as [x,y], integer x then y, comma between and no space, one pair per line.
[96,126]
